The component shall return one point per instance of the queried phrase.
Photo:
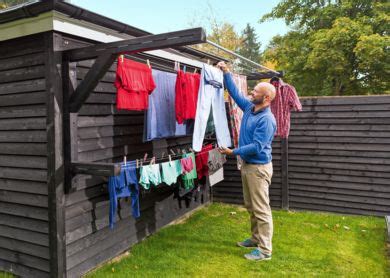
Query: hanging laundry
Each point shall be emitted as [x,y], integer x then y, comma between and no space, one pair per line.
[201,160]
[187,88]
[124,185]
[186,165]
[286,99]
[134,83]
[215,163]
[150,175]
[160,117]
[189,177]
[236,113]
[211,98]
[170,171]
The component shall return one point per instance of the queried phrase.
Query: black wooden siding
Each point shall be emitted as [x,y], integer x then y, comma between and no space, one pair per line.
[339,155]
[103,135]
[24,241]
[338,158]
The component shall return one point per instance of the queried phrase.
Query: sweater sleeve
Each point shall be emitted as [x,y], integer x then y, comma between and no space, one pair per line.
[238,97]
[262,136]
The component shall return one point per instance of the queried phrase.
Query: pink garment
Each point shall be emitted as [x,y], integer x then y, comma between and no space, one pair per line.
[186,165]
[286,99]
[236,113]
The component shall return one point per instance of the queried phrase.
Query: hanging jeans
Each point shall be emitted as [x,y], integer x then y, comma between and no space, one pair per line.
[211,97]
[124,185]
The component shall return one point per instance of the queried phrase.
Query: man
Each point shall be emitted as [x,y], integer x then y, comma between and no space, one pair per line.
[258,127]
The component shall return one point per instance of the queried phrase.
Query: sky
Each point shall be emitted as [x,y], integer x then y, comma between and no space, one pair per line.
[157,16]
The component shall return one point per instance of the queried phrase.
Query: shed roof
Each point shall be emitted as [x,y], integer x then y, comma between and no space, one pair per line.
[46,15]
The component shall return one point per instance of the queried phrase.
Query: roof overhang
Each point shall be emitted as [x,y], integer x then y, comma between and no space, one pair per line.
[42,16]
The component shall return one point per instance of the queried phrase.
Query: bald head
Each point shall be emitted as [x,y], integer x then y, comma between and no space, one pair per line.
[267,88]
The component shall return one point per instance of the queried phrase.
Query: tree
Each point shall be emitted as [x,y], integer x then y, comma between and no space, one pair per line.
[335,47]
[9,3]
[250,47]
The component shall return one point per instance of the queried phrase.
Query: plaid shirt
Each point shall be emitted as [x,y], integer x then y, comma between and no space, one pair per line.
[286,99]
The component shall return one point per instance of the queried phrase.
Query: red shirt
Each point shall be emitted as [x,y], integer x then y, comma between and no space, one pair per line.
[286,99]
[187,87]
[134,83]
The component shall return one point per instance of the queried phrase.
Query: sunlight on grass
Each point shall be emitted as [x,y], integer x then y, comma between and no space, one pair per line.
[305,243]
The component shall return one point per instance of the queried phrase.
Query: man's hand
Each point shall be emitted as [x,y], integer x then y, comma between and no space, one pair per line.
[223,66]
[224,150]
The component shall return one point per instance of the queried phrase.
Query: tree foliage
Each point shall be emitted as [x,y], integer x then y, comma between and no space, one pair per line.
[334,47]
[9,3]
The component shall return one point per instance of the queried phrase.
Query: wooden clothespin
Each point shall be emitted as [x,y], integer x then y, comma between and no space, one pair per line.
[124,160]
[191,150]
[184,68]
[121,57]
[153,160]
[162,155]
[208,61]
[148,62]
[145,157]
[136,163]
[195,70]
[170,158]
[172,152]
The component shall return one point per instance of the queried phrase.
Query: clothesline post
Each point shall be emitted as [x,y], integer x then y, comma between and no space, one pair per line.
[285,186]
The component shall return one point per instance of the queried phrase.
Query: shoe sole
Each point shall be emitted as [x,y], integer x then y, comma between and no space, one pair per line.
[239,245]
[259,260]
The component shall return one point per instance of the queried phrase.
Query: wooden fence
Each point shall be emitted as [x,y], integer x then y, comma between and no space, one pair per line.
[336,159]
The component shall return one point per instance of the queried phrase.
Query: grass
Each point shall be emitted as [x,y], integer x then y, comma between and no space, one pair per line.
[305,244]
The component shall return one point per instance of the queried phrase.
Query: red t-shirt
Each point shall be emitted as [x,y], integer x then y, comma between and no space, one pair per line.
[187,87]
[134,83]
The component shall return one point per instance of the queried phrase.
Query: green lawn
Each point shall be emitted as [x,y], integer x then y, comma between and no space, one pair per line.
[305,243]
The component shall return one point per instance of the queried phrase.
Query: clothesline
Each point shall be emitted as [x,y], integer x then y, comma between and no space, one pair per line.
[141,161]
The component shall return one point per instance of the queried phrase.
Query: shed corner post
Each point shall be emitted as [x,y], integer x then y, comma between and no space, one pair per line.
[285,185]
[55,155]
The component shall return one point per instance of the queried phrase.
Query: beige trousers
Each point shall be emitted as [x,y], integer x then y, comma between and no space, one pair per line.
[256,179]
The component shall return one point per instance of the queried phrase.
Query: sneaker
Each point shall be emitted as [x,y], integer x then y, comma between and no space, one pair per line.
[256,255]
[247,243]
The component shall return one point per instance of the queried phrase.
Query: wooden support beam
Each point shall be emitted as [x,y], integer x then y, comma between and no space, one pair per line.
[285,185]
[139,44]
[96,169]
[264,75]
[107,53]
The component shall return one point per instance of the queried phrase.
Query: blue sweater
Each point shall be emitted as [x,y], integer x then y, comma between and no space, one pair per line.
[257,128]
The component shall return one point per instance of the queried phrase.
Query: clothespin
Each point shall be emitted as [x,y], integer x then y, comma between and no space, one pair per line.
[178,151]
[170,158]
[184,151]
[172,152]
[124,160]
[148,62]
[191,150]
[121,57]
[208,61]
[195,70]
[184,68]
[136,163]
[153,160]
[162,155]
[145,156]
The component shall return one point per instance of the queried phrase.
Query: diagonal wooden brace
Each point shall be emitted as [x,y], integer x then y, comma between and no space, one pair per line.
[106,54]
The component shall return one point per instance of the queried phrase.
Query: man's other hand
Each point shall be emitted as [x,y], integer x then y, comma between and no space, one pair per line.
[224,150]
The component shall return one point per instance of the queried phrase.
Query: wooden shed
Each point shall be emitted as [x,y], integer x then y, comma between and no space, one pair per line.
[60,135]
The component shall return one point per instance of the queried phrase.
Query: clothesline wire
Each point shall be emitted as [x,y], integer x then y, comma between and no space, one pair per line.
[141,160]
[239,56]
